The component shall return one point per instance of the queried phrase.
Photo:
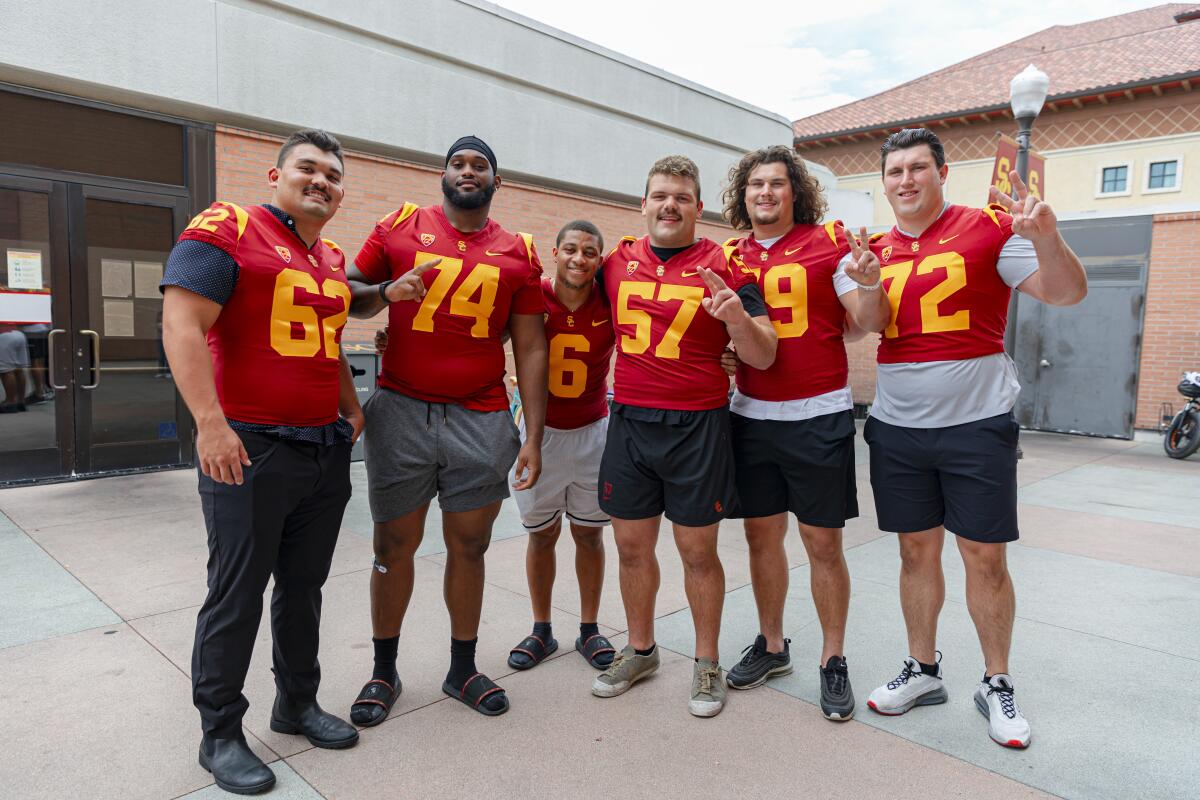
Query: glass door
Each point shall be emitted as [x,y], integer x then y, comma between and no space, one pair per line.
[36,402]
[128,414]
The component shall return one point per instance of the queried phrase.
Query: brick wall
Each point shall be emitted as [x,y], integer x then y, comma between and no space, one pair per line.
[1171,332]
[377,186]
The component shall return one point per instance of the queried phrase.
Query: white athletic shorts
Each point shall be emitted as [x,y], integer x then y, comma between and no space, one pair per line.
[570,466]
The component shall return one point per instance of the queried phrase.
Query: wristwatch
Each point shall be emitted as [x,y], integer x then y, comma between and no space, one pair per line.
[383,290]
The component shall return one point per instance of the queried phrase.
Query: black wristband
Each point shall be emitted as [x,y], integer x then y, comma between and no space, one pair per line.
[383,290]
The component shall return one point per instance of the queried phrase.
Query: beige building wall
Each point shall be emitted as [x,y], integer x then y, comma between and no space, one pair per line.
[1072,179]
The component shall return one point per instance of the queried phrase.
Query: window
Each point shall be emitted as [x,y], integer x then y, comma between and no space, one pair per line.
[1164,174]
[1115,179]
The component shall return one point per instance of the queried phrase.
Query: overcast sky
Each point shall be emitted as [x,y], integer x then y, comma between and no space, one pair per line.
[797,59]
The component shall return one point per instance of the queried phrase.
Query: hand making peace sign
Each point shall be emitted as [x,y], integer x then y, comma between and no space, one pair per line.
[1032,218]
[863,268]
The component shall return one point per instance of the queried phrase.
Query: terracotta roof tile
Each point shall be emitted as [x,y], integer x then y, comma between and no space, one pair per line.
[1115,51]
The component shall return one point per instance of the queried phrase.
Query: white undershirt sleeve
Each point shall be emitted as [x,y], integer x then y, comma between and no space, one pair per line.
[1017,260]
[843,283]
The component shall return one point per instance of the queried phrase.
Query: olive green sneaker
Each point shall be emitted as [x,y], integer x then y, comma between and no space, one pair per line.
[708,689]
[626,669]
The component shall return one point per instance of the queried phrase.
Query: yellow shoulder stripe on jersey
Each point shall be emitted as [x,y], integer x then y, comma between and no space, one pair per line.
[875,237]
[624,240]
[831,229]
[732,240]
[406,211]
[331,244]
[527,238]
[991,208]
[730,252]
[239,213]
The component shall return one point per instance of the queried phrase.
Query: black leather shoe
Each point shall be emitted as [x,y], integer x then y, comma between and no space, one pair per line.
[314,723]
[234,767]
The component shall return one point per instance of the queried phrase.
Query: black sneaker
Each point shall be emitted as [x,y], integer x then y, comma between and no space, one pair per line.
[837,699]
[757,665]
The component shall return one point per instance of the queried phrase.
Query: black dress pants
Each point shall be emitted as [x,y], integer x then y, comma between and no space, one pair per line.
[282,521]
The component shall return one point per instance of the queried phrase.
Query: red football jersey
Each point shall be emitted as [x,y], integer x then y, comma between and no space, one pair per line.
[796,278]
[948,300]
[276,343]
[669,349]
[581,346]
[447,348]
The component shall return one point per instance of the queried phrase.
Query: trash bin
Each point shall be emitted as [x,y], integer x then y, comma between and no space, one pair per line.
[364,366]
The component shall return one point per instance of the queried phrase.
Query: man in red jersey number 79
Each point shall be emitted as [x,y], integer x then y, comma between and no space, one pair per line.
[942,436]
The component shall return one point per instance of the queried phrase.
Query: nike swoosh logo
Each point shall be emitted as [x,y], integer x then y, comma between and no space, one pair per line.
[793,250]
[335,268]
[601,322]
[943,241]
[686,274]
[490,253]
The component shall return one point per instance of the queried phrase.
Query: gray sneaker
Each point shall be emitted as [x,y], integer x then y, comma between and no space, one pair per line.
[708,689]
[626,669]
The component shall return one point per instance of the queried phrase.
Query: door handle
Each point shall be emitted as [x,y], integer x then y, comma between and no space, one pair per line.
[95,360]
[50,359]
[1044,363]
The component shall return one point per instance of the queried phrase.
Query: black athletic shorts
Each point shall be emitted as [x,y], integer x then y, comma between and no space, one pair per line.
[804,466]
[675,462]
[963,477]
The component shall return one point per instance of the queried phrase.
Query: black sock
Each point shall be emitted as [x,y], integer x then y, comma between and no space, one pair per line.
[587,630]
[543,631]
[929,669]
[462,660]
[646,652]
[385,659]
[462,667]
[987,678]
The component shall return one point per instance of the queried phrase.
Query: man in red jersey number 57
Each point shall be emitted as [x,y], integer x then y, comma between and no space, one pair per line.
[677,301]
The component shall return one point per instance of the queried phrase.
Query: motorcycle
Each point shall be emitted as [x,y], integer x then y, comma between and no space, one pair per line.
[1183,434]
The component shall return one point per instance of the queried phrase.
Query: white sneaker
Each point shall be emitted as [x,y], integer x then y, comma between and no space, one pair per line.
[911,687]
[1006,724]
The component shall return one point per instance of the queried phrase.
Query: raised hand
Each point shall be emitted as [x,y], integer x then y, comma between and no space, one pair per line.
[724,304]
[409,286]
[864,266]
[1032,218]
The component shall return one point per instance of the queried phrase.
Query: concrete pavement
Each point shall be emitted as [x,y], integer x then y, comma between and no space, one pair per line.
[100,582]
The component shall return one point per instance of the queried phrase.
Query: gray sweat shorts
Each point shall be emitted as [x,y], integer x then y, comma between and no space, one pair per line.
[415,450]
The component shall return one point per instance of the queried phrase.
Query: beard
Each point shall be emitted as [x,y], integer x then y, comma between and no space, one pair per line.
[467,201]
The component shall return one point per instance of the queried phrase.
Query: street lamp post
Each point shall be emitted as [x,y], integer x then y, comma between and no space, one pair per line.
[1027,95]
